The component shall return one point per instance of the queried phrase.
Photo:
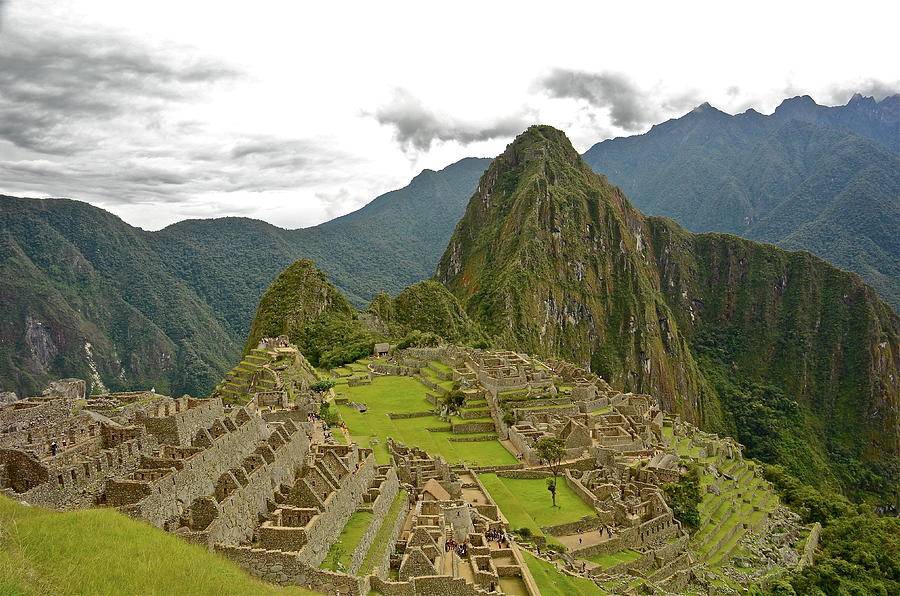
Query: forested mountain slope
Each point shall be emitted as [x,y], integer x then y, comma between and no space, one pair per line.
[822,179]
[794,356]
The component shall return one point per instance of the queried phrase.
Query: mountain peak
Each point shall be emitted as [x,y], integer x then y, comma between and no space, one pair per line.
[859,100]
[799,102]
[537,141]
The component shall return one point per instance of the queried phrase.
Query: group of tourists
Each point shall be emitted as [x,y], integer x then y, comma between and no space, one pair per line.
[461,548]
[498,536]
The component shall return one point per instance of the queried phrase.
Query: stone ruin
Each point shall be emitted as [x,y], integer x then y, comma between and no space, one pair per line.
[253,482]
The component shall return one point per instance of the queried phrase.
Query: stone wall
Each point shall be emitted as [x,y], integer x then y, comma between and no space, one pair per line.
[812,541]
[387,492]
[237,514]
[168,497]
[382,567]
[577,527]
[524,474]
[473,427]
[289,569]
[338,508]
[176,422]
[586,495]
[62,484]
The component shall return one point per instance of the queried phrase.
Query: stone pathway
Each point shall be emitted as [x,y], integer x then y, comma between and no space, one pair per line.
[584,539]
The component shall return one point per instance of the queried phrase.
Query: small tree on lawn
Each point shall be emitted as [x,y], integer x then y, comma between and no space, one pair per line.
[453,400]
[551,451]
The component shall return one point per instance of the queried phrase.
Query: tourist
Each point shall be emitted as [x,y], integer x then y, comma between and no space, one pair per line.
[53,448]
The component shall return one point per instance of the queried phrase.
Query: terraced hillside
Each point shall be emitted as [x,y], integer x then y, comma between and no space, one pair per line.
[266,369]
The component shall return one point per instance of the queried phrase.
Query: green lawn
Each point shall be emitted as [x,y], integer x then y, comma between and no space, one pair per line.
[100,551]
[395,394]
[437,364]
[338,557]
[608,560]
[401,395]
[553,583]
[526,502]
[384,533]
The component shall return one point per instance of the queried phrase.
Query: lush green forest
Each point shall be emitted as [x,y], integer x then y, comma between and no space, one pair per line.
[172,309]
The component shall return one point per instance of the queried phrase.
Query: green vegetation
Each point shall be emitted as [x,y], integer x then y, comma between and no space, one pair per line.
[404,395]
[608,560]
[382,541]
[808,177]
[858,552]
[551,451]
[553,583]
[302,304]
[429,308]
[509,264]
[322,386]
[100,551]
[524,502]
[338,557]
[173,307]
[684,497]
[737,336]
[419,339]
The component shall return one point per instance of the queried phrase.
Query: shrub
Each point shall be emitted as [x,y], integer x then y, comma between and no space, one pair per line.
[322,386]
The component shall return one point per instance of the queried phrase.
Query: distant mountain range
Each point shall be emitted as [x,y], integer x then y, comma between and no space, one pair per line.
[806,177]
[85,294]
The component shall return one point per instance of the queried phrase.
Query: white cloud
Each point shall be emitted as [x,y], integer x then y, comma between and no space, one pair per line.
[297,112]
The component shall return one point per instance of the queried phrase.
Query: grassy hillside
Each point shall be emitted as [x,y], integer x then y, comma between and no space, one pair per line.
[102,552]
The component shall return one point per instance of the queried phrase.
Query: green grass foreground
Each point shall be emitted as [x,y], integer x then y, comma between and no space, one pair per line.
[526,502]
[102,552]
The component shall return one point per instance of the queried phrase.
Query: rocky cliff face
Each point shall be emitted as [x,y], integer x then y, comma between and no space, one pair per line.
[793,321]
[550,258]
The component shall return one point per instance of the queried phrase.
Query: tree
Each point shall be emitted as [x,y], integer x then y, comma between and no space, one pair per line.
[453,400]
[551,451]
[684,497]
[322,386]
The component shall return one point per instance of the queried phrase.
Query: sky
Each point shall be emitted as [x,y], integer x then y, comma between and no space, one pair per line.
[298,112]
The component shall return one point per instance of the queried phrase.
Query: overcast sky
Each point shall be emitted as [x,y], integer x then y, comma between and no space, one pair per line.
[161,111]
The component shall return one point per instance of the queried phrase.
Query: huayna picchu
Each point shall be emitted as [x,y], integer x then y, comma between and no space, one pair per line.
[583,400]
[796,358]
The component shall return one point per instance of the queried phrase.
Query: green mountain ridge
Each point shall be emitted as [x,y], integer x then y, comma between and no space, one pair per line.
[173,308]
[552,259]
[789,178]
